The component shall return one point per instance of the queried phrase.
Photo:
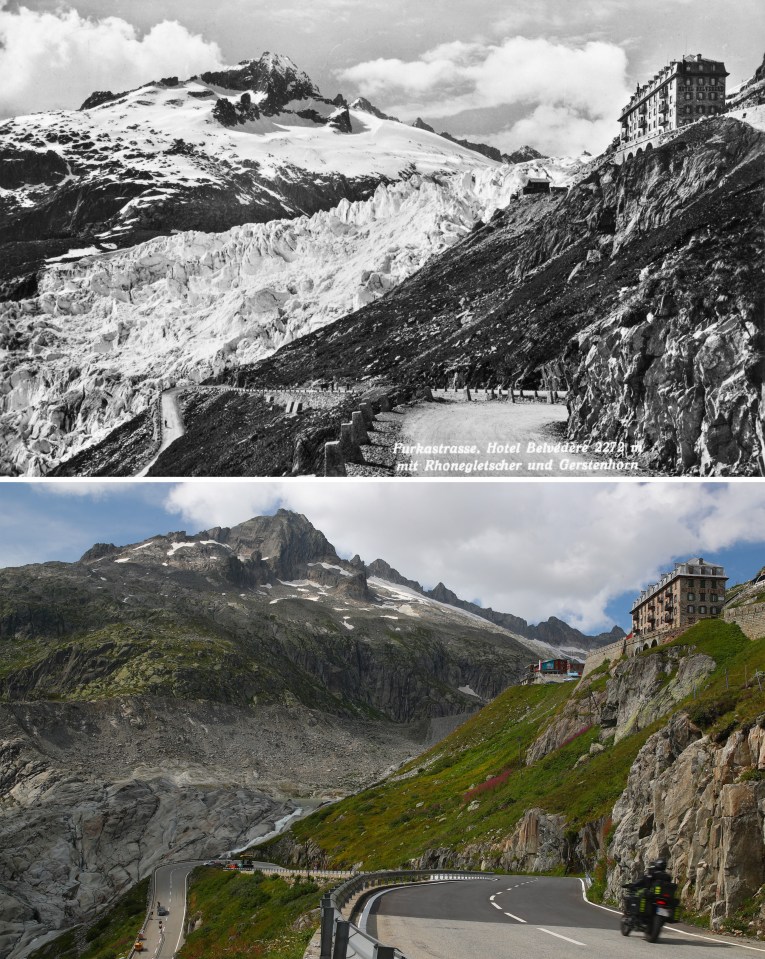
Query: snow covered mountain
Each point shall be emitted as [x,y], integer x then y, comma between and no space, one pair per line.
[106,332]
[247,144]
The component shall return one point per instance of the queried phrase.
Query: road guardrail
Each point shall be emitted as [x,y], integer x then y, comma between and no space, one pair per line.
[342,939]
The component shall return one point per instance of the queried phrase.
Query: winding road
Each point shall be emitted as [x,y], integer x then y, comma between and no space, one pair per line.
[171,424]
[525,916]
[164,933]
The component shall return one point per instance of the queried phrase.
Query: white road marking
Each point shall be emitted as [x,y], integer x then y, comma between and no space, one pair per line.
[491,898]
[183,920]
[596,904]
[559,936]
[682,932]
[720,942]
[496,905]
[517,918]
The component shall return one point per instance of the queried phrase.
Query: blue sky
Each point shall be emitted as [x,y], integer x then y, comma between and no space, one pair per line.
[552,73]
[579,551]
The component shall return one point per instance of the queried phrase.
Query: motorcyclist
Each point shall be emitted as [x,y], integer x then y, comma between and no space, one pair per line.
[655,873]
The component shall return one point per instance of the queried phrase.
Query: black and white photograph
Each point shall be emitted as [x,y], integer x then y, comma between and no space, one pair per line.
[431,239]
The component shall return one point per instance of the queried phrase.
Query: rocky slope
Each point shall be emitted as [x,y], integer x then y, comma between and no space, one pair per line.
[176,697]
[95,794]
[751,93]
[638,291]
[107,332]
[659,755]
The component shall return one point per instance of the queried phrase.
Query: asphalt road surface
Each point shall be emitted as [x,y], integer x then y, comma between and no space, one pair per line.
[511,427]
[172,424]
[164,934]
[509,917]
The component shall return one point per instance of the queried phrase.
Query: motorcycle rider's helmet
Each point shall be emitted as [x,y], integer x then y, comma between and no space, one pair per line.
[660,864]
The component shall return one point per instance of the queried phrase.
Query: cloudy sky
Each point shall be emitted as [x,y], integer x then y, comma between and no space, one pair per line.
[579,551]
[552,73]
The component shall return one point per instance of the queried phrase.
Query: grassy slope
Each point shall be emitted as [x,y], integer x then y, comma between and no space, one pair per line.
[246,914]
[425,806]
[111,935]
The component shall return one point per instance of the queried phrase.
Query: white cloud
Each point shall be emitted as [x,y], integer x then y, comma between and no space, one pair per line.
[573,92]
[534,550]
[554,130]
[55,60]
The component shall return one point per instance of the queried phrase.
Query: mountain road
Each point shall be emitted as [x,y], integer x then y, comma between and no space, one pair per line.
[510,439]
[171,423]
[534,917]
[164,933]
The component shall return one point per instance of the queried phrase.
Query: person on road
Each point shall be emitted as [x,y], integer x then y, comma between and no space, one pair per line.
[656,873]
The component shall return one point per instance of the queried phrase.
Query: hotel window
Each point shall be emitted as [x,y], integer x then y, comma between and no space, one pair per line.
[702,610]
[691,597]
[713,610]
[690,609]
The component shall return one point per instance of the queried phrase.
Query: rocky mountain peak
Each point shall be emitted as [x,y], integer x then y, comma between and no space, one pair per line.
[362,104]
[443,594]
[525,153]
[272,74]
[286,541]
[98,551]
[385,571]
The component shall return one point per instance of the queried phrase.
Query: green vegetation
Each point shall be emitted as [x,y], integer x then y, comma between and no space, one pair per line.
[433,802]
[748,917]
[729,699]
[474,788]
[249,914]
[111,935]
[750,599]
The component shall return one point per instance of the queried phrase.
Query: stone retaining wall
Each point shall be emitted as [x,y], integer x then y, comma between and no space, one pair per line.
[313,399]
[750,619]
[629,648]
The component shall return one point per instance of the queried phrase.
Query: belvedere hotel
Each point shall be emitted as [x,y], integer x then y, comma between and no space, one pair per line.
[683,91]
[693,590]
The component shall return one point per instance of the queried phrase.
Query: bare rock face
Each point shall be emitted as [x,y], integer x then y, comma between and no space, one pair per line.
[638,690]
[537,844]
[686,801]
[93,796]
[676,367]
[73,842]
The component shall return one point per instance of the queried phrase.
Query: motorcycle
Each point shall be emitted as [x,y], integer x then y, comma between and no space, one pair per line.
[648,912]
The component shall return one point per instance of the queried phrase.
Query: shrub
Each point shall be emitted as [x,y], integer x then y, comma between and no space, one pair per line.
[491,784]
